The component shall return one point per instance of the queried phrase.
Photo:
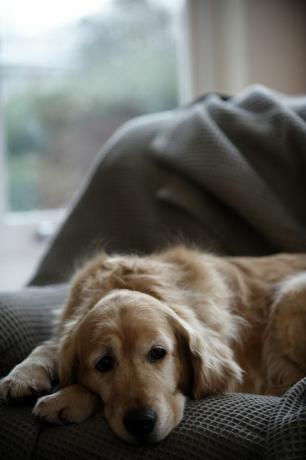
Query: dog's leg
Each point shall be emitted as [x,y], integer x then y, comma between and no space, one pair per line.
[72,404]
[285,344]
[33,376]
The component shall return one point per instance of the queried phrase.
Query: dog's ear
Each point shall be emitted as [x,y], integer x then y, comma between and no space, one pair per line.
[214,367]
[67,359]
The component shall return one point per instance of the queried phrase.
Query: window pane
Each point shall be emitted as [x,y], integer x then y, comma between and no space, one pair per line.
[70,78]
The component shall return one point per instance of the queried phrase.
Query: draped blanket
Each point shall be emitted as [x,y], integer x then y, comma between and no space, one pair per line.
[241,167]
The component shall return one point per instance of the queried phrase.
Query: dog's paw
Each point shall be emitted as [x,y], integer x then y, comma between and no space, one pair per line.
[25,382]
[60,408]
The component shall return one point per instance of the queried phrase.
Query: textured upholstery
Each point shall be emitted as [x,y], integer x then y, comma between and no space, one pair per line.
[228,427]
[286,430]
[26,321]
[227,174]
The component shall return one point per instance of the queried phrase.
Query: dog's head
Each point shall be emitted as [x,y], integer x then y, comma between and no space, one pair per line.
[143,358]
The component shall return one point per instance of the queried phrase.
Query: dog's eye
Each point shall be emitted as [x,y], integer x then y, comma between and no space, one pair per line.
[157,353]
[105,364]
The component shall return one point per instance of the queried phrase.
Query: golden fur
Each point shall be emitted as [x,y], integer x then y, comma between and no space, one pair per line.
[225,323]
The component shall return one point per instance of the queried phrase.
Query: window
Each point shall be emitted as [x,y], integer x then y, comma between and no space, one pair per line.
[70,77]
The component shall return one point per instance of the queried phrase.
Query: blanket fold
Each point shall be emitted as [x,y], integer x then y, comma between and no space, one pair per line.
[249,153]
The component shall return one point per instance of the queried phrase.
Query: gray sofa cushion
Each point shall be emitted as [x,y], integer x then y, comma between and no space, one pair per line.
[286,430]
[224,427]
[18,433]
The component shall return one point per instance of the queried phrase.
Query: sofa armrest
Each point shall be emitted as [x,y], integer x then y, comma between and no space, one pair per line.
[26,318]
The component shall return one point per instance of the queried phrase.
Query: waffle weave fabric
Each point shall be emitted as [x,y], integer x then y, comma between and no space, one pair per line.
[224,427]
[229,427]
[225,173]
[26,319]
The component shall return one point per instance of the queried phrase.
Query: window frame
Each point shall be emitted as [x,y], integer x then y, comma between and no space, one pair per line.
[207,61]
[3,171]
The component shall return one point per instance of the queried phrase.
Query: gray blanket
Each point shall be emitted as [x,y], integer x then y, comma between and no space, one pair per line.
[225,173]
[241,169]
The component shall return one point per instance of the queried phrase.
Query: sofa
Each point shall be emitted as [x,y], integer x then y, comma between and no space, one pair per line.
[227,174]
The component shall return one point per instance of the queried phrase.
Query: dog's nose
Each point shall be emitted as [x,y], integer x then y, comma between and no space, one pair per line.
[140,423]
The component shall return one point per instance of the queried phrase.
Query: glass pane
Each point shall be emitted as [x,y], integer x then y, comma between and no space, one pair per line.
[70,78]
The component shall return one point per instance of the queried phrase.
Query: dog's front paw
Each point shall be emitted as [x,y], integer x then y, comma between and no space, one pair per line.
[69,405]
[23,382]
[52,409]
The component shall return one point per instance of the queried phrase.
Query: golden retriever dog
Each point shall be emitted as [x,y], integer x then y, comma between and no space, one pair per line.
[141,334]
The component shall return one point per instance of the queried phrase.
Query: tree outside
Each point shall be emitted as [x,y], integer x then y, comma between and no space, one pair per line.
[120,64]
